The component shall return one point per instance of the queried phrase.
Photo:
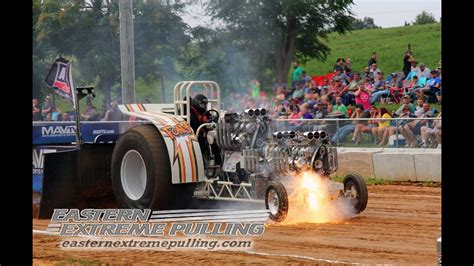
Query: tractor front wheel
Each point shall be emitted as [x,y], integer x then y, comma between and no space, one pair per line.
[276,201]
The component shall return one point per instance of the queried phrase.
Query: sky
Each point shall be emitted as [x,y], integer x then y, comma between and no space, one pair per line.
[386,13]
[394,13]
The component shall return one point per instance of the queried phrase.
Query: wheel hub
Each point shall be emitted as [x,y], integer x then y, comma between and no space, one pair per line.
[133,174]
[273,201]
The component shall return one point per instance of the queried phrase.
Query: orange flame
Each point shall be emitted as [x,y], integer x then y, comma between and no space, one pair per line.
[311,201]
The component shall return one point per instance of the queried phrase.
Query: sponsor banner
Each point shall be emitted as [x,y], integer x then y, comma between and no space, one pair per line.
[66,133]
[38,163]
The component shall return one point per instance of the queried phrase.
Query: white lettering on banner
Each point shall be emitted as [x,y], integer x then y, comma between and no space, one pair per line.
[38,158]
[58,130]
[103,131]
[62,74]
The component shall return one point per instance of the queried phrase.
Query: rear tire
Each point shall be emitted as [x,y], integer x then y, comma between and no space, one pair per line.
[276,201]
[141,172]
[355,186]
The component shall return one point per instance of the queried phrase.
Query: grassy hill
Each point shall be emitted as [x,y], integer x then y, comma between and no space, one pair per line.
[390,45]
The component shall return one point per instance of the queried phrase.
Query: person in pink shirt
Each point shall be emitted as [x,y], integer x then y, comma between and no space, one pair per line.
[362,96]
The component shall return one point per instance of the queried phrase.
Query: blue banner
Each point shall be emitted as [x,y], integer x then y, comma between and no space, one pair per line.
[58,134]
[38,163]
[55,133]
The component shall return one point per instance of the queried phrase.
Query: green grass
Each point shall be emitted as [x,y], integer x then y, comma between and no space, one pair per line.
[389,43]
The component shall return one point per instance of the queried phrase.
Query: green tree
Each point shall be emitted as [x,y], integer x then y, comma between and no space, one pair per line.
[424,18]
[88,33]
[271,34]
[366,23]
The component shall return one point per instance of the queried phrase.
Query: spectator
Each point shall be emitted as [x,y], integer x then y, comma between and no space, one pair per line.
[305,78]
[427,132]
[297,74]
[409,90]
[305,114]
[378,89]
[327,105]
[320,111]
[413,128]
[383,124]
[37,116]
[298,94]
[405,104]
[366,126]
[392,129]
[433,87]
[367,75]
[48,107]
[113,114]
[66,117]
[324,88]
[374,70]
[373,59]
[362,96]
[423,71]
[415,71]
[55,114]
[338,74]
[344,131]
[407,60]
[419,105]
[339,65]
[283,114]
[339,107]
[336,88]
[90,113]
[312,89]
[347,93]
[348,66]
[396,87]
[280,94]
[295,112]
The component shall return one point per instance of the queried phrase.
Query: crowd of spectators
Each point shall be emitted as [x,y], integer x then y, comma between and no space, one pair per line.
[48,111]
[345,93]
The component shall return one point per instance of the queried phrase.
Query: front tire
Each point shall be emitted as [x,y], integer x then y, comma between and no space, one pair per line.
[141,173]
[355,190]
[276,201]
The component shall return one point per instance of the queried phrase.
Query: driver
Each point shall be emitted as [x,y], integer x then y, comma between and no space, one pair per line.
[198,111]
[199,116]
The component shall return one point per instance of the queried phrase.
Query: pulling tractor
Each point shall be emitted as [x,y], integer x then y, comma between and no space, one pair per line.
[158,161]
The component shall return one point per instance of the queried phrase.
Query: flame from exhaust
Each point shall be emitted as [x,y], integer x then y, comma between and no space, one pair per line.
[312,201]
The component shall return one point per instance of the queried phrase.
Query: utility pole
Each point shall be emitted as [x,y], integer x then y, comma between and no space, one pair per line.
[127,55]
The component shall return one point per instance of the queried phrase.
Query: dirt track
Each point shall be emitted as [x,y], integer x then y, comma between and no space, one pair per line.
[400,225]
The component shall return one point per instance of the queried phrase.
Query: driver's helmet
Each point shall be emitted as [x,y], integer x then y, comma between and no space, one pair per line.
[200,102]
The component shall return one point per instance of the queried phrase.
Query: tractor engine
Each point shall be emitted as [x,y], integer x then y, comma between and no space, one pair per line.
[252,148]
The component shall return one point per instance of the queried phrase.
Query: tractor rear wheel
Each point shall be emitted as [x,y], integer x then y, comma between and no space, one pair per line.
[141,173]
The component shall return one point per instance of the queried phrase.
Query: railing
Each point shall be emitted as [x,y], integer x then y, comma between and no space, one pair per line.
[54,132]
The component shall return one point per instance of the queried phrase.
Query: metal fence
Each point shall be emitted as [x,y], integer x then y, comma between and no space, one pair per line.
[340,130]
